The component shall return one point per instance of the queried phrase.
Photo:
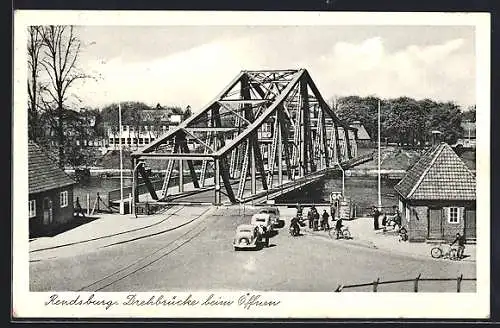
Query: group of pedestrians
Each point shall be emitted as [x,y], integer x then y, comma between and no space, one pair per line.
[319,222]
[314,219]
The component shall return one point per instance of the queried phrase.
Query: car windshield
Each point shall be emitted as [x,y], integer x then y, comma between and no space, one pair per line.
[245,230]
[261,220]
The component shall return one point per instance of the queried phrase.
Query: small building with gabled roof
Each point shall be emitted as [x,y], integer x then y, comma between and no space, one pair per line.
[50,192]
[362,136]
[437,197]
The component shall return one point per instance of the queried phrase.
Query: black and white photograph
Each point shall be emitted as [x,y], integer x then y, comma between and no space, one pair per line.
[286,165]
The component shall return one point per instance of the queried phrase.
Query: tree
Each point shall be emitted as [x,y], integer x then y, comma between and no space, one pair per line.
[187,113]
[35,43]
[447,118]
[61,51]
[469,114]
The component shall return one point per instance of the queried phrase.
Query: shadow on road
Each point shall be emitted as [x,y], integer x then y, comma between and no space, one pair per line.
[55,230]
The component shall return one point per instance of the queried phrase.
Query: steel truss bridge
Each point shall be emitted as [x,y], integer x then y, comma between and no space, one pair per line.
[266,133]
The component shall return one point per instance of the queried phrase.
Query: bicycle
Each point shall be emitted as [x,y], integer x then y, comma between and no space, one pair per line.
[444,251]
[344,233]
[403,234]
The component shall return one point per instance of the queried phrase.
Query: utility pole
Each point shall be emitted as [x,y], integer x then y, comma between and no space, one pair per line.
[379,194]
[122,207]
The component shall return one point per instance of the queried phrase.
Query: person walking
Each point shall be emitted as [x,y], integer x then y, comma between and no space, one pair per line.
[376,215]
[78,208]
[324,223]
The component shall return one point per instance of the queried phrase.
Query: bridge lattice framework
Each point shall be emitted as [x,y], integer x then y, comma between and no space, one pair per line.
[266,127]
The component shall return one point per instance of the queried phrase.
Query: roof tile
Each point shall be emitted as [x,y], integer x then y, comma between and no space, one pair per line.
[439,175]
[43,173]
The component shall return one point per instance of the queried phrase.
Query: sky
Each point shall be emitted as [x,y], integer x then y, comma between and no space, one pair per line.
[190,65]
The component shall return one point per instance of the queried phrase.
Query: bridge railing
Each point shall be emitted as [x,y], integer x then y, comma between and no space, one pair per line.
[114,195]
[415,284]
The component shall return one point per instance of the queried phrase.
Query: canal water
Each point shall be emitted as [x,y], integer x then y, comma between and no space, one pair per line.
[362,190]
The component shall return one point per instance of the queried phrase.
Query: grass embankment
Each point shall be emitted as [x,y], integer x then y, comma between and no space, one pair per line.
[396,158]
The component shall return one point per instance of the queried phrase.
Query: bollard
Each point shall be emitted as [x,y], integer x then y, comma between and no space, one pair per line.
[375,284]
[98,199]
[88,204]
[415,288]
[459,282]
[130,203]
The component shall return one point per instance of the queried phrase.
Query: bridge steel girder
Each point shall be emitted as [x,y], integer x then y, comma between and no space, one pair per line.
[248,103]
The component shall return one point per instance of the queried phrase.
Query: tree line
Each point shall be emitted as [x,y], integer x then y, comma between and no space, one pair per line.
[404,120]
[55,118]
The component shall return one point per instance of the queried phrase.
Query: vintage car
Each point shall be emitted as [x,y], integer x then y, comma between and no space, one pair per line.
[274,212]
[247,236]
[264,221]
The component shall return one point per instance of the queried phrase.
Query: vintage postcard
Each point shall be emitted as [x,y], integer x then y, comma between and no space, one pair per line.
[251,165]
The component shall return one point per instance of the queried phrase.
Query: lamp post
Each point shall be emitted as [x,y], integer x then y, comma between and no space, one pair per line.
[379,193]
[122,207]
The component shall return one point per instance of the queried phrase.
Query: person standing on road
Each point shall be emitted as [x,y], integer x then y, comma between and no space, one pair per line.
[460,240]
[333,210]
[310,218]
[376,215]
[315,220]
[324,223]
[78,208]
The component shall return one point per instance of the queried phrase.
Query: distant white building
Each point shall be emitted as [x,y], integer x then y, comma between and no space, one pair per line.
[468,139]
[153,124]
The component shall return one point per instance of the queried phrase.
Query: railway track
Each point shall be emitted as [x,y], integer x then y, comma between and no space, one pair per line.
[149,259]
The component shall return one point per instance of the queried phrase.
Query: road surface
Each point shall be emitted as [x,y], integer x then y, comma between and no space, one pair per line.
[200,257]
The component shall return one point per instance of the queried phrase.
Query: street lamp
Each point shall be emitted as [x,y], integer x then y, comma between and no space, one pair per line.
[133,186]
[122,207]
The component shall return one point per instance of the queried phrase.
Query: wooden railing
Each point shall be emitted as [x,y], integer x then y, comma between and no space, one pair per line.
[415,282]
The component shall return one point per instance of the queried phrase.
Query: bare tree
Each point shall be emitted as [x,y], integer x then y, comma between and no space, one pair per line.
[61,51]
[35,42]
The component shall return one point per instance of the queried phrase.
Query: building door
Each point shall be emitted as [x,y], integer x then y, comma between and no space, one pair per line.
[470,223]
[435,223]
[47,211]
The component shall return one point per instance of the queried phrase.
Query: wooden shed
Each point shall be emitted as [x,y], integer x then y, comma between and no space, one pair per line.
[50,193]
[437,197]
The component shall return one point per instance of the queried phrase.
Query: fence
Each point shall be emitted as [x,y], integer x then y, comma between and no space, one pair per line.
[375,284]
[114,195]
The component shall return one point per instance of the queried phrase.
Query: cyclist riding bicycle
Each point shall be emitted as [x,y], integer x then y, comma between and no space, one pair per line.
[295,226]
[338,227]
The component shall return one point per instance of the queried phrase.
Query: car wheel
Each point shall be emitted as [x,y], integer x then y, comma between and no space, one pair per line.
[244,240]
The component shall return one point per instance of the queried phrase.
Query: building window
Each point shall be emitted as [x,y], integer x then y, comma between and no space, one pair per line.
[128,141]
[63,198]
[141,141]
[32,208]
[146,140]
[124,127]
[453,215]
